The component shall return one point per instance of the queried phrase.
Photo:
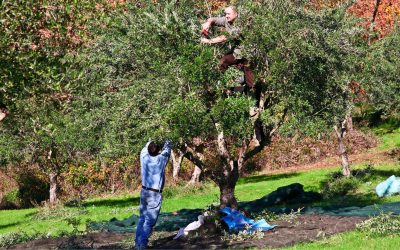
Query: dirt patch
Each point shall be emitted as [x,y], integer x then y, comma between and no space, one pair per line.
[97,240]
[300,229]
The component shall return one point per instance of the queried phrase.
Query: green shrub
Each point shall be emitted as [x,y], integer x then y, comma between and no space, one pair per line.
[384,224]
[33,186]
[335,187]
[10,200]
[364,174]
[271,216]
[47,213]
[242,236]
[10,239]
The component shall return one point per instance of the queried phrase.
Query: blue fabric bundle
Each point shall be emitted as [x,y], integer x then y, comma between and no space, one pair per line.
[388,187]
[236,221]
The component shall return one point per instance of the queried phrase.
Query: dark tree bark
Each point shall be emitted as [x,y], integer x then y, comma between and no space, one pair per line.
[227,196]
[377,3]
[227,185]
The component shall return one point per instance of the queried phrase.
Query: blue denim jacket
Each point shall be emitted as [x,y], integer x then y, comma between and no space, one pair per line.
[153,167]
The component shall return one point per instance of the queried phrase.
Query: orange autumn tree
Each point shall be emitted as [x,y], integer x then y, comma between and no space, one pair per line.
[380,15]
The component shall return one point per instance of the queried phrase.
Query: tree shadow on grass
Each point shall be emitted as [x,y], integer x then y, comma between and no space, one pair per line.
[9,225]
[260,178]
[386,173]
[131,201]
[359,200]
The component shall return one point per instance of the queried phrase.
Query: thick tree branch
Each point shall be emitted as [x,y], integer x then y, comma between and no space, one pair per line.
[242,153]
[377,3]
[265,139]
[177,157]
[281,120]
[222,150]
[373,18]
[195,157]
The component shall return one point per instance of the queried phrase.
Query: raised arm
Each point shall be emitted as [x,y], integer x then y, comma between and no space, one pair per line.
[206,26]
[166,151]
[219,21]
[144,150]
[215,40]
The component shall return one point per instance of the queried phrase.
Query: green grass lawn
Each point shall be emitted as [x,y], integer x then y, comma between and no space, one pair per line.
[58,222]
[352,240]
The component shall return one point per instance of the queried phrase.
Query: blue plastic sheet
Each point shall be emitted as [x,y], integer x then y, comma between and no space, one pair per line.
[388,187]
[236,221]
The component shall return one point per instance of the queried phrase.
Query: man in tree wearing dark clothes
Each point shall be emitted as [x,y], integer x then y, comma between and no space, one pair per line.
[153,177]
[233,56]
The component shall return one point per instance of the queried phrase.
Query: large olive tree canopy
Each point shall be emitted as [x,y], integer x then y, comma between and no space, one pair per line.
[149,77]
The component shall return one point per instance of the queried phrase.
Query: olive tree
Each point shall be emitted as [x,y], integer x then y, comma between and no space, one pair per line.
[36,37]
[380,75]
[151,76]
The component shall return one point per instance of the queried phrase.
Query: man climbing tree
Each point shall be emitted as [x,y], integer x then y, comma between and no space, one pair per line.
[233,56]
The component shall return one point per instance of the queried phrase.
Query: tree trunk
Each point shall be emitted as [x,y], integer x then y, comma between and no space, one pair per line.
[53,187]
[227,195]
[196,175]
[345,159]
[177,157]
[371,27]
[230,172]
[349,123]
[341,133]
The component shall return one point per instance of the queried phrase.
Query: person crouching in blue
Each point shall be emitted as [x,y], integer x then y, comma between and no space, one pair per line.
[153,176]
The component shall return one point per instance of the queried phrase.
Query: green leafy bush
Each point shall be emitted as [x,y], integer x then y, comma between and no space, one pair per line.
[59,212]
[381,225]
[242,235]
[336,187]
[379,75]
[10,200]
[33,186]
[10,239]
[271,216]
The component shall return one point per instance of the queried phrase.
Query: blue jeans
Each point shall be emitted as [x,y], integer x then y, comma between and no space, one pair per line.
[150,205]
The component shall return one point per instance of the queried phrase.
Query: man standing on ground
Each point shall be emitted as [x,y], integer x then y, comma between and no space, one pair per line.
[233,56]
[153,176]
